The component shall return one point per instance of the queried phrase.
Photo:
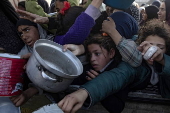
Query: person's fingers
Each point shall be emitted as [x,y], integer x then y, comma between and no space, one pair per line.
[94,72]
[20,11]
[104,23]
[157,54]
[67,104]
[60,104]
[145,49]
[140,48]
[13,98]
[70,105]
[110,19]
[91,75]
[41,20]
[20,102]
[145,46]
[88,78]
[24,14]
[76,108]
[144,43]
[26,56]
[28,13]
[64,48]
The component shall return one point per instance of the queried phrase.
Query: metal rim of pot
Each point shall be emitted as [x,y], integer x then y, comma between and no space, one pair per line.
[59,48]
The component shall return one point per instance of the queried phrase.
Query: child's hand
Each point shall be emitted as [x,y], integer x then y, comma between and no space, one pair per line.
[157,56]
[74,101]
[108,26]
[26,56]
[24,97]
[75,49]
[91,74]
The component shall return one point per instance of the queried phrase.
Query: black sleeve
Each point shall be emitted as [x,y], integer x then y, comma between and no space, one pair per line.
[9,11]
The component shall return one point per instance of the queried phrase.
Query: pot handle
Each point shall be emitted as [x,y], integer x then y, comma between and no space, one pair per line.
[44,75]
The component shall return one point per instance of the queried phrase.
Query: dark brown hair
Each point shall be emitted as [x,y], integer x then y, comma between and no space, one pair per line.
[155,27]
[103,41]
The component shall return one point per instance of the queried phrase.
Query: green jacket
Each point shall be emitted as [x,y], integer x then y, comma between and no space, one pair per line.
[116,79]
[164,78]
[124,75]
[33,7]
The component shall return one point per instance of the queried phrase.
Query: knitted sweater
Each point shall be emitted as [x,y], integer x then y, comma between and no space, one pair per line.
[78,32]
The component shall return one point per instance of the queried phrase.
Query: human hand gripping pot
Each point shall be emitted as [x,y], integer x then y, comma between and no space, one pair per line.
[74,101]
[75,49]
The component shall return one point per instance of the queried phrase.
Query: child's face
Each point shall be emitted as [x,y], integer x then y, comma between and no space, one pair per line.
[29,34]
[99,57]
[156,41]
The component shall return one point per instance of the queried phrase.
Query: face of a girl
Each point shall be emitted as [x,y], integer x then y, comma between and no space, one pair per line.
[29,34]
[162,12]
[99,57]
[59,5]
[144,16]
[156,41]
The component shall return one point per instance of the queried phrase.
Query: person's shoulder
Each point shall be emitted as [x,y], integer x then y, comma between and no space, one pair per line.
[76,8]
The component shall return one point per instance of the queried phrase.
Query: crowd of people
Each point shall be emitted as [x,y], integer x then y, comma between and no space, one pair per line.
[114,42]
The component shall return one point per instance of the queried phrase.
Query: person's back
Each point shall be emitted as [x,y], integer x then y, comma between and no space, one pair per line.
[10,40]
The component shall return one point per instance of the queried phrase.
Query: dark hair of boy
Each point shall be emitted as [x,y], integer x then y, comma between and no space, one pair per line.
[155,27]
[103,41]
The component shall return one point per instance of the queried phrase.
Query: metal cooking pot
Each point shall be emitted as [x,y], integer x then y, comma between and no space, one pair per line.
[50,68]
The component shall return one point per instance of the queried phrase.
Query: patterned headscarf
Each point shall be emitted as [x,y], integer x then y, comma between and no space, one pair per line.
[134,12]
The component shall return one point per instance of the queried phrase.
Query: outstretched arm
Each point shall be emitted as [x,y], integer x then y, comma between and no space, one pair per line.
[33,17]
[80,30]
[105,84]
[127,48]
